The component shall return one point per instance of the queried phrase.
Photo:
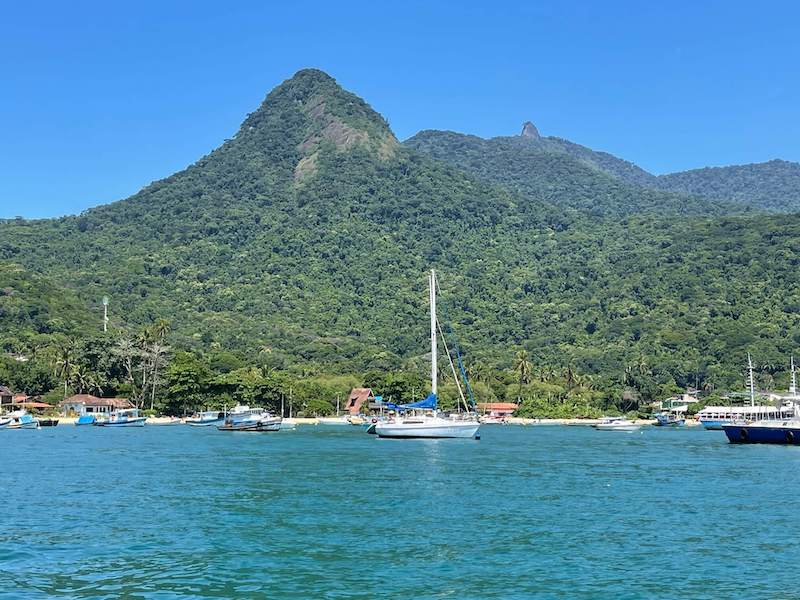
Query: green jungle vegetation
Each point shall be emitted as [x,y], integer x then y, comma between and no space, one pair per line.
[773,185]
[290,264]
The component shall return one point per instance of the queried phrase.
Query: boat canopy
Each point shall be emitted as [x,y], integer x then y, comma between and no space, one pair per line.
[428,403]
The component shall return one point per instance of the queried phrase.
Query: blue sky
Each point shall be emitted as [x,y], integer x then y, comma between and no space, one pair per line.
[97,99]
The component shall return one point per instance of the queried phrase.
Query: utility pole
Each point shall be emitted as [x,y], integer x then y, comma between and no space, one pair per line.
[105,314]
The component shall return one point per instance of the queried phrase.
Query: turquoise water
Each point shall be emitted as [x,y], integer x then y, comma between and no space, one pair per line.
[327,512]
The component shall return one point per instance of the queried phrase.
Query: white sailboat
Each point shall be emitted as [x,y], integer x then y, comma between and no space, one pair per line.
[428,424]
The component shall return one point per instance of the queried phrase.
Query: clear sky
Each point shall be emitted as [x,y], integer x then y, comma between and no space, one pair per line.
[97,99]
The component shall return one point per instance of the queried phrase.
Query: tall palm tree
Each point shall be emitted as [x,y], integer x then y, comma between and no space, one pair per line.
[65,363]
[523,368]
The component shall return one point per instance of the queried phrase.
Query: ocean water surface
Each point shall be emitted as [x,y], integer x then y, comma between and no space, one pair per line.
[330,512]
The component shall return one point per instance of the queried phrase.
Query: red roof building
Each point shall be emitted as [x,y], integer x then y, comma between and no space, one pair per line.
[356,400]
[497,409]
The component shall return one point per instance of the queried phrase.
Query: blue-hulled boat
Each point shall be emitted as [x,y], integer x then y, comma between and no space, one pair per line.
[668,420]
[86,420]
[128,417]
[764,432]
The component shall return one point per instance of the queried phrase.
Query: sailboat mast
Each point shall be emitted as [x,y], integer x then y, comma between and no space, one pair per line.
[793,387]
[432,284]
[750,380]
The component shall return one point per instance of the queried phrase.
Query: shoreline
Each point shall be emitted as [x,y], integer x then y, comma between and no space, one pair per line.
[167,421]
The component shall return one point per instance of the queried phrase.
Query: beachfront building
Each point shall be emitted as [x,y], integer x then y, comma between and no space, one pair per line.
[679,404]
[501,410]
[86,404]
[359,400]
[6,398]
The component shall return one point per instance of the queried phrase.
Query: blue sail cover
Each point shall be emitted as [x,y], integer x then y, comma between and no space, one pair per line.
[429,402]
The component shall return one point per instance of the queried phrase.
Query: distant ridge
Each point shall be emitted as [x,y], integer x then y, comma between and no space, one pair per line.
[773,185]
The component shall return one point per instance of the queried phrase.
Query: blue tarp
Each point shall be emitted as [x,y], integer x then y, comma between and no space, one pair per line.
[429,402]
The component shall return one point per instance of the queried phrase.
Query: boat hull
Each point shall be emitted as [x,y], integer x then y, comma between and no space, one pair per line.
[265,427]
[205,423]
[48,422]
[714,425]
[610,427]
[129,423]
[462,430]
[763,434]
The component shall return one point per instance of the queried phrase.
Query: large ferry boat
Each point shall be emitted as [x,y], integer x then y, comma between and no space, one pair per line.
[717,417]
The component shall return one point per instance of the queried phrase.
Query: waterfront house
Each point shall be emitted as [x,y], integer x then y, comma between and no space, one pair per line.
[497,409]
[6,398]
[86,404]
[359,400]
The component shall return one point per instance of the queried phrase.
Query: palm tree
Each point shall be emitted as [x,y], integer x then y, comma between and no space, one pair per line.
[65,363]
[523,368]
[160,329]
[157,359]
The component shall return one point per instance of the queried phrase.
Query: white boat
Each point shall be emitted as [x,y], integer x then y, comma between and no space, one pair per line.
[206,418]
[244,418]
[342,420]
[128,417]
[5,422]
[21,419]
[425,422]
[717,417]
[616,424]
[493,420]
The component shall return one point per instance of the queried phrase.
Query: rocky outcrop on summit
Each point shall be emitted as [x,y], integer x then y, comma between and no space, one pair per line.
[529,131]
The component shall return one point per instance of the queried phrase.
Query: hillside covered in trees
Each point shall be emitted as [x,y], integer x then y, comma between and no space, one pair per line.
[293,258]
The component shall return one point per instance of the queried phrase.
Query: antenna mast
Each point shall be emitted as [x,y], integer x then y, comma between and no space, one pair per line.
[105,314]
[434,372]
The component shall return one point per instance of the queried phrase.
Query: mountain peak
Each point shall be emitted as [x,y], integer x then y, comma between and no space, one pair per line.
[318,115]
[529,131]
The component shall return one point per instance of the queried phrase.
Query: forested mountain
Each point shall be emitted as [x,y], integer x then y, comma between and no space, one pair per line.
[773,185]
[575,176]
[565,174]
[302,244]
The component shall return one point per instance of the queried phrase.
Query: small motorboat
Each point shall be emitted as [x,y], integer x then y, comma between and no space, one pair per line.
[5,422]
[206,418]
[616,424]
[86,420]
[48,422]
[160,422]
[668,420]
[244,418]
[128,417]
[493,420]
[26,421]
[343,420]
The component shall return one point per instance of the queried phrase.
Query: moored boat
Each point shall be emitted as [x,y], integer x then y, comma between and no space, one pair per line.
[244,418]
[206,418]
[5,422]
[127,417]
[668,420]
[48,422]
[717,417]
[616,424]
[424,420]
[86,420]
[764,432]
[342,420]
